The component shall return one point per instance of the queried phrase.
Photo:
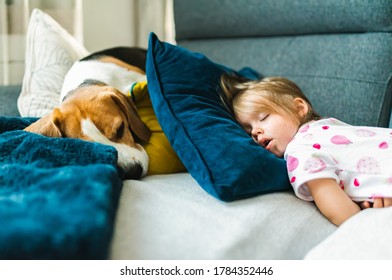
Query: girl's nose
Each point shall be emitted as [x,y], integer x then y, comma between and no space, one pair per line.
[256,132]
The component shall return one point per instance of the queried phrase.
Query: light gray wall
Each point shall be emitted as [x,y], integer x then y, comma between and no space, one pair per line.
[108,23]
[101,24]
[125,22]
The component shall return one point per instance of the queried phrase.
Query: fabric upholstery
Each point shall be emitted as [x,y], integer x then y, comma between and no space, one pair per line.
[231,18]
[8,98]
[170,217]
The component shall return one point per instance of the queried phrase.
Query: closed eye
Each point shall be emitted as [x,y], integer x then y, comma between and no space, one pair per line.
[120,131]
[263,117]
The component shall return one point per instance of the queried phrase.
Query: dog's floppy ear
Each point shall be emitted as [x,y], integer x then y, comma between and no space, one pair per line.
[138,127]
[48,125]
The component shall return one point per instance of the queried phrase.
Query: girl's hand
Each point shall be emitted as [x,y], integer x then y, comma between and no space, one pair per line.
[382,202]
[365,205]
[379,202]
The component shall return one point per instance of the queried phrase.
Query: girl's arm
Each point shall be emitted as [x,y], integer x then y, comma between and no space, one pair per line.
[332,201]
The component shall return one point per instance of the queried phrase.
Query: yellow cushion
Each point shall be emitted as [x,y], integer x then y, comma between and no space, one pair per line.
[163,159]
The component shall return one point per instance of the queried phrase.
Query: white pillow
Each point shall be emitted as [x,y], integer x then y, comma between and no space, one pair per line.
[50,53]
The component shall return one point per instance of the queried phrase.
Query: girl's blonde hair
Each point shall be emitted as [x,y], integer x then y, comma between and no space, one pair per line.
[272,95]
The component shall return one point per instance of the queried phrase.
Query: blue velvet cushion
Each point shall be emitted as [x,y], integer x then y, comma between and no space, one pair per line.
[225,161]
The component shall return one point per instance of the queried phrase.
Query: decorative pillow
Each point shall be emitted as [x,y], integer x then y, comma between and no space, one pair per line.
[225,161]
[50,52]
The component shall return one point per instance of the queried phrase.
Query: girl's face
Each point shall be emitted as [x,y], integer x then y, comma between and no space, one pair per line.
[273,131]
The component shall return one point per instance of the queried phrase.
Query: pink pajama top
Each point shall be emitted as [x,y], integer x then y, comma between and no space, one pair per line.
[359,158]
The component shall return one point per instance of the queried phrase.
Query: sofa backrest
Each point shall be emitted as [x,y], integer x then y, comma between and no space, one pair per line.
[338,52]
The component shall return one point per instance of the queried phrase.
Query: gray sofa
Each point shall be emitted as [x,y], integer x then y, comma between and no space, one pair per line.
[340,53]
[8,100]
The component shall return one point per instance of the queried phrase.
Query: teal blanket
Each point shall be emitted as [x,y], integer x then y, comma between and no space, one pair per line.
[58,197]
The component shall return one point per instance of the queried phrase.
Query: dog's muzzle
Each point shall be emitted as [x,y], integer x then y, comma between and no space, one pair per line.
[132,161]
[133,172]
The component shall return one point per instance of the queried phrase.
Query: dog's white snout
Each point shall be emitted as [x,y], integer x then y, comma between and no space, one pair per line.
[129,158]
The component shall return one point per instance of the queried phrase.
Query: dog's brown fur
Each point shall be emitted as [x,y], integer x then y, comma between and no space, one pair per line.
[98,112]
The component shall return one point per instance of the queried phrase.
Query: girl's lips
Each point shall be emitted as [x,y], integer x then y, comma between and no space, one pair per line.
[265,143]
[268,145]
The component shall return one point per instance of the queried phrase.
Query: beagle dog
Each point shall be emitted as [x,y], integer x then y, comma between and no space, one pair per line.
[94,106]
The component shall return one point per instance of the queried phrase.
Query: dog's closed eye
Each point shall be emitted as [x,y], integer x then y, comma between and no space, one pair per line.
[120,130]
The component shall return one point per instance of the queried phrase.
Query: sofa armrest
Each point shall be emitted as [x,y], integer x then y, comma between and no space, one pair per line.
[8,100]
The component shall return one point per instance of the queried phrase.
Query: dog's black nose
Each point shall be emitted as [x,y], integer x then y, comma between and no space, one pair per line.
[133,172]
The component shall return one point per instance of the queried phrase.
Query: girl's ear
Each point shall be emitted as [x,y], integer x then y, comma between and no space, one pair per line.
[301,106]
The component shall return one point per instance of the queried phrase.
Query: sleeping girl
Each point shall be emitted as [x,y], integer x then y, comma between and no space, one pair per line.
[342,168]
